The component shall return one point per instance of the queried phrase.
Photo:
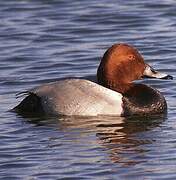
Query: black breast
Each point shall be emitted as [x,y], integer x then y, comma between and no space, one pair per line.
[141,99]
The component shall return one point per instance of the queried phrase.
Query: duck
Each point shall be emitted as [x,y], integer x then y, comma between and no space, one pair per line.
[115,93]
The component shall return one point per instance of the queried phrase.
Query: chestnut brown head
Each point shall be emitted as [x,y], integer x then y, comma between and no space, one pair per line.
[122,64]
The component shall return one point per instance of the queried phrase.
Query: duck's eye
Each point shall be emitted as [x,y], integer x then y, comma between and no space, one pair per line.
[131,57]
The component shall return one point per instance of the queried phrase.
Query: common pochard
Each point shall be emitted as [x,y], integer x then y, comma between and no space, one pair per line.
[113,94]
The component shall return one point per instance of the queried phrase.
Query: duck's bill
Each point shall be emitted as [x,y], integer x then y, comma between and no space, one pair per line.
[149,72]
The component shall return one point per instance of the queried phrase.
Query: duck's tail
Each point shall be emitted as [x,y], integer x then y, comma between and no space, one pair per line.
[30,104]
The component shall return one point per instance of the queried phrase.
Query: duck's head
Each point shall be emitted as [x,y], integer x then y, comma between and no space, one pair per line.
[122,64]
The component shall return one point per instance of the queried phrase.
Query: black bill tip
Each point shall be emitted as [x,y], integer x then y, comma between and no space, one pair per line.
[169,77]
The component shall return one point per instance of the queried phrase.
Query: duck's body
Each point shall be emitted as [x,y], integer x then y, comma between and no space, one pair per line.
[85,98]
[115,94]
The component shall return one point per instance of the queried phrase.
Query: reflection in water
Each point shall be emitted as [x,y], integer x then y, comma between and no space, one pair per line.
[122,138]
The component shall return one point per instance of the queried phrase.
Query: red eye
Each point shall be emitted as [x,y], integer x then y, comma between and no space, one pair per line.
[131,57]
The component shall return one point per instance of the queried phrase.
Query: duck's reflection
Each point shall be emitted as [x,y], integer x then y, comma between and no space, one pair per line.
[124,139]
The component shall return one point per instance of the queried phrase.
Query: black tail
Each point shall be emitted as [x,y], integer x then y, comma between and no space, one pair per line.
[30,104]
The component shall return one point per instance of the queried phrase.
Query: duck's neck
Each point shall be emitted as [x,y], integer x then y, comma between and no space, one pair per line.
[112,78]
[118,86]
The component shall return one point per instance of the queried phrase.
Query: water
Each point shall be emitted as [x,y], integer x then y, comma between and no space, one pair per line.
[42,41]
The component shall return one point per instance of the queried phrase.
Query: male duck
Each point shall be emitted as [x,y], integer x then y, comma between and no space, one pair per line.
[115,93]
